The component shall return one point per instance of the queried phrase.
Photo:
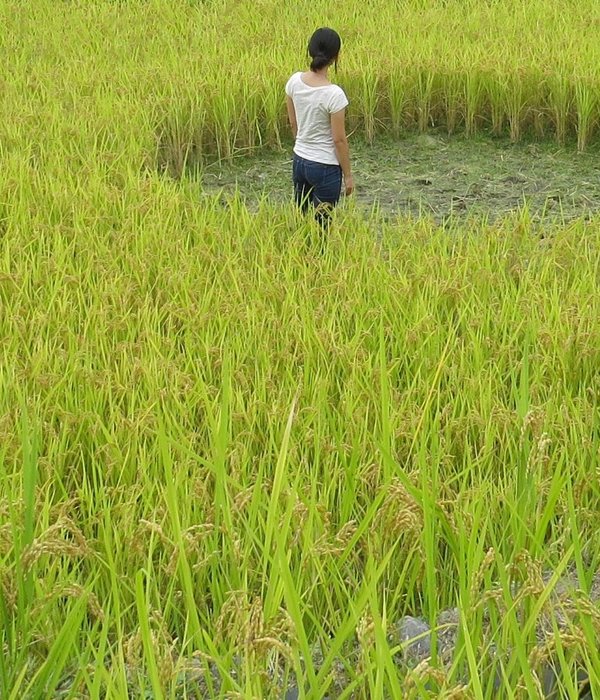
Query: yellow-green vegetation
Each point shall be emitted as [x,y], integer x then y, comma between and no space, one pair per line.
[107,80]
[228,453]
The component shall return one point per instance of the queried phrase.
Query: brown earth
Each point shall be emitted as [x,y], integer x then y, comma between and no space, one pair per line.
[440,176]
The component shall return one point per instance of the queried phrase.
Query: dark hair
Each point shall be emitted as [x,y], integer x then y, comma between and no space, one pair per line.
[324,47]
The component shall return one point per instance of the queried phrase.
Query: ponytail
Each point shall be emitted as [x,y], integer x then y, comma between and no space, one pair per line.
[319,61]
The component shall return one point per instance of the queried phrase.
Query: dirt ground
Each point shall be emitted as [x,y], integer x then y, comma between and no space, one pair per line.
[440,176]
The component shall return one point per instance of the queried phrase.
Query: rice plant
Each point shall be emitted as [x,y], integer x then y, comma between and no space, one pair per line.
[232,459]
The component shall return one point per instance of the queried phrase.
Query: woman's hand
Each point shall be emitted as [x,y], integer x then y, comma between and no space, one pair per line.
[349,185]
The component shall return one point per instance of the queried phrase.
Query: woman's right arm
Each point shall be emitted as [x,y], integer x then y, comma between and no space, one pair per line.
[292,116]
[338,130]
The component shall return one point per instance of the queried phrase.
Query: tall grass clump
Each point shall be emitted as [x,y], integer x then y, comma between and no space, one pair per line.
[220,444]
[234,455]
[166,84]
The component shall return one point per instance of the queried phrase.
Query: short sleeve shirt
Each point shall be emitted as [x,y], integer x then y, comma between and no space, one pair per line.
[314,107]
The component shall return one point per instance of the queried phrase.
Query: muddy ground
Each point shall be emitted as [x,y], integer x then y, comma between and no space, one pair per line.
[440,176]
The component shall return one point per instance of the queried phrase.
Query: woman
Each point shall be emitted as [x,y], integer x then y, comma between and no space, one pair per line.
[316,109]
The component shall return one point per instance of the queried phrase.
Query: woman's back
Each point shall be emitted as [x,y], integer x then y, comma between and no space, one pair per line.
[315,100]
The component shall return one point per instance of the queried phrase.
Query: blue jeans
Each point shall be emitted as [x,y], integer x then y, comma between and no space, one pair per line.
[318,185]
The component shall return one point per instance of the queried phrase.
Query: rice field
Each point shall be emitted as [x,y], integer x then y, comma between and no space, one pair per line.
[235,456]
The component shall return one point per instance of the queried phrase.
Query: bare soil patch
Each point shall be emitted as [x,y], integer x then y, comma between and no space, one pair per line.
[440,176]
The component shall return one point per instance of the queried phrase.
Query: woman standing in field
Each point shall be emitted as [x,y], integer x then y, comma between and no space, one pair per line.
[316,109]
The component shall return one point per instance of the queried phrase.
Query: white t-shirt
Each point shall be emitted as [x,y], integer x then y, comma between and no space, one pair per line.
[314,107]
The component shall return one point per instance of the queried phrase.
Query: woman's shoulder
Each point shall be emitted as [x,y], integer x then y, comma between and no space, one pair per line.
[337,89]
[337,98]
[293,79]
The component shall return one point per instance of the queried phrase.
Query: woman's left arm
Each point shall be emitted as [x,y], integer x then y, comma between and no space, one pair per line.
[292,116]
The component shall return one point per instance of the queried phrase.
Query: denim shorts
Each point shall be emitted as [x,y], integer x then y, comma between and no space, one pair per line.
[316,183]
